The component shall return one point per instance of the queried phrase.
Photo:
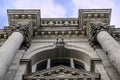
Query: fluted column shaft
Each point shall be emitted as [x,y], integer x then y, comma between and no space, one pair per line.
[8,51]
[110,46]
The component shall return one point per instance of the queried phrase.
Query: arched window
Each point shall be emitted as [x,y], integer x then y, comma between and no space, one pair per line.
[79,65]
[42,65]
[60,61]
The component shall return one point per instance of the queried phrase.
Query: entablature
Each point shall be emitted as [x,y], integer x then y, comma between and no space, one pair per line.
[24,16]
[59,22]
[91,15]
[59,26]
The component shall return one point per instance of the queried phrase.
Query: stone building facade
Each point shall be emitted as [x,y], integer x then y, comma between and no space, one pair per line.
[83,48]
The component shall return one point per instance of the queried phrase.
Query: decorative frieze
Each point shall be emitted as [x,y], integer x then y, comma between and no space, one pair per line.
[23,16]
[49,33]
[56,33]
[95,16]
[58,22]
[66,23]
[50,23]
[63,32]
[16,16]
[102,15]
[29,16]
[91,15]
[69,32]
[42,33]
[62,73]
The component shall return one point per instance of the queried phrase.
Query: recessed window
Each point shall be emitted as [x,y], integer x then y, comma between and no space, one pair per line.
[42,65]
[57,62]
[79,65]
[60,61]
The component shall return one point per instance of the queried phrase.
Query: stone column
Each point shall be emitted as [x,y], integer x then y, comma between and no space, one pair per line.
[72,63]
[21,34]
[48,63]
[100,35]
[111,47]
[8,50]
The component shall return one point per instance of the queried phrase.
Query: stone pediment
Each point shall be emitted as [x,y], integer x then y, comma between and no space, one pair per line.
[63,73]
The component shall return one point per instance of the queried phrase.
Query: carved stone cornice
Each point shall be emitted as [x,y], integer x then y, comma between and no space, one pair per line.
[62,73]
[96,27]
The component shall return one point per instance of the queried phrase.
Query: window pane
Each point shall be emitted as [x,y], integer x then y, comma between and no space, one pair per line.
[42,65]
[56,62]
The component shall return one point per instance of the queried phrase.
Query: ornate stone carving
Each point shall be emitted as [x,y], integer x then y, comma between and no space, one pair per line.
[25,30]
[60,42]
[96,27]
[62,73]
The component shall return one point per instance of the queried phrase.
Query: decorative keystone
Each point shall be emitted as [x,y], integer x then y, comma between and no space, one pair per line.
[60,42]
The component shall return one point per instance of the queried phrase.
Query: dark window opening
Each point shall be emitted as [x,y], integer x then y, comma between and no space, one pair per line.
[79,65]
[42,65]
[57,62]
[2,35]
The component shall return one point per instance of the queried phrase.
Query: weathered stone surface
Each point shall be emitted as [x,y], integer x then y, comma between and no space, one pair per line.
[111,47]
[45,31]
[8,51]
[14,65]
[110,70]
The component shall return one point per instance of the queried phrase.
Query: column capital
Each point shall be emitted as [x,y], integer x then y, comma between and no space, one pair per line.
[25,30]
[96,27]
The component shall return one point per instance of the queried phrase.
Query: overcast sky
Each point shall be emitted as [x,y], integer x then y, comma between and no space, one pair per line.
[59,8]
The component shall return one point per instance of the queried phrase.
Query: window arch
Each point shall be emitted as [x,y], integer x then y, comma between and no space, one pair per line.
[70,62]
